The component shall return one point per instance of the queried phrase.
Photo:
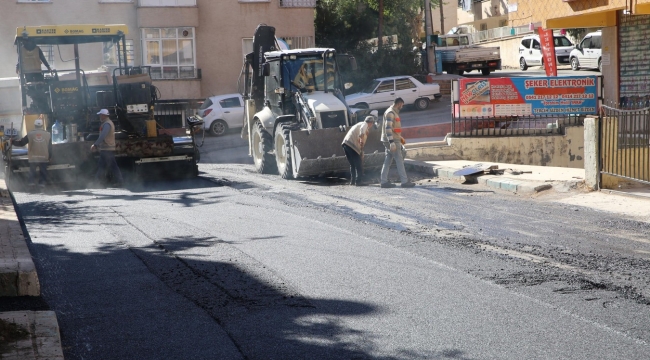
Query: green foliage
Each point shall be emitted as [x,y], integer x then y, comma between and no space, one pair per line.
[372,65]
[346,24]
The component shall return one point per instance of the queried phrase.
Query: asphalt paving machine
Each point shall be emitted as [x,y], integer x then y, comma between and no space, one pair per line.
[73,97]
[295,112]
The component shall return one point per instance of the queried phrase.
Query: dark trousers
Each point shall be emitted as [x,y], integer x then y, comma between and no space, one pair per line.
[356,164]
[42,173]
[107,163]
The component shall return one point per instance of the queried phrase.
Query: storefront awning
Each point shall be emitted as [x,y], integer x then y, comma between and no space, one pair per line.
[590,20]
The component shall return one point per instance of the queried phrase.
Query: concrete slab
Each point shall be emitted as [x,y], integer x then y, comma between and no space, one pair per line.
[42,341]
[516,178]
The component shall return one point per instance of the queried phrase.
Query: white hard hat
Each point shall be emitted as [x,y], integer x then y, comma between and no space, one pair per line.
[38,123]
[103,112]
[370,119]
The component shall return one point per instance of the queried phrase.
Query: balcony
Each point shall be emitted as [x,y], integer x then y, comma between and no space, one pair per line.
[163,3]
[298,3]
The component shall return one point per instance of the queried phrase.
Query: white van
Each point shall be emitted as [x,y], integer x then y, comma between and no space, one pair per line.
[588,53]
[530,51]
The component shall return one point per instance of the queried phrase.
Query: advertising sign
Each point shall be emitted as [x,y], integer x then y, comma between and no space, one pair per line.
[548,51]
[524,96]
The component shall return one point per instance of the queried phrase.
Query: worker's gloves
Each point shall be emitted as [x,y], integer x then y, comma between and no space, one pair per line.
[393,147]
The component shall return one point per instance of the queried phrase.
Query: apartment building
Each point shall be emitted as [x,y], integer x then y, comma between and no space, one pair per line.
[194,47]
[481,15]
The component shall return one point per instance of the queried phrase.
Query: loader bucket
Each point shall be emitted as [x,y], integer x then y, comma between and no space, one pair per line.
[319,152]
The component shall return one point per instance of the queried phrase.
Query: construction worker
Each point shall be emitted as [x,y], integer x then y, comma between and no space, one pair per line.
[391,136]
[353,144]
[105,144]
[31,57]
[38,152]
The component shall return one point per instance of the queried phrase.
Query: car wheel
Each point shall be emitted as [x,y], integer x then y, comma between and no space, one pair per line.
[362,106]
[600,65]
[421,103]
[522,64]
[485,72]
[575,65]
[218,127]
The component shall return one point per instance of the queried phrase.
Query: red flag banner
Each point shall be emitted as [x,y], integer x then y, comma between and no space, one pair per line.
[548,51]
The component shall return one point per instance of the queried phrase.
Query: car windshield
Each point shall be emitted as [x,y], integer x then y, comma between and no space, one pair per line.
[206,104]
[562,41]
[307,73]
[371,87]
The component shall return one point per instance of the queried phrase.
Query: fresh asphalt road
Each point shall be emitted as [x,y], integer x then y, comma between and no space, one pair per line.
[238,265]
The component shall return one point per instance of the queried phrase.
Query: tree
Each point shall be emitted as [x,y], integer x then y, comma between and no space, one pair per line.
[346,25]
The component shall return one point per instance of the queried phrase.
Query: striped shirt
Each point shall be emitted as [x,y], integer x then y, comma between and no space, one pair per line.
[391,131]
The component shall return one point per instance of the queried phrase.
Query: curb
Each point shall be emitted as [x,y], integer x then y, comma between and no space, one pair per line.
[492,181]
[43,342]
[18,277]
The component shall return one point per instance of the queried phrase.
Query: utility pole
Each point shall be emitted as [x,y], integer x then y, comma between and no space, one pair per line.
[431,54]
[442,18]
[380,35]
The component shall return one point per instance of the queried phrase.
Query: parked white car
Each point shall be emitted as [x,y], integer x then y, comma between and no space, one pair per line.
[588,53]
[530,51]
[381,93]
[222,112]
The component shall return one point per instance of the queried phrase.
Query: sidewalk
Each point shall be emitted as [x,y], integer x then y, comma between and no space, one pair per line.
[515,178]
[26,334]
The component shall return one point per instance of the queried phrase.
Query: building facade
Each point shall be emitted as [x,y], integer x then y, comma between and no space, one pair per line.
[195,48]
[481,15]
[625,48]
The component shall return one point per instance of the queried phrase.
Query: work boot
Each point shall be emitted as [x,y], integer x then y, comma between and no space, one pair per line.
[387,185]
[353,181]
[408,184]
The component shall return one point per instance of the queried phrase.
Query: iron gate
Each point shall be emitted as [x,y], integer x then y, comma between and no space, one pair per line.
[625,143]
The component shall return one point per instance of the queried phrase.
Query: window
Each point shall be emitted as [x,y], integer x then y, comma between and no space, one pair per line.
[230,103]
[596,42]
[298,3]
[110,53]
[170,52]
[561,41]
[404,84]
[386,86]
[525,43]
[536,44]
[586,43]
[167,2]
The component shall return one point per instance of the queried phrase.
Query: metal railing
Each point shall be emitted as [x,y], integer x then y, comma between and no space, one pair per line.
[625,143]
[172,113]
[499,33]
[298,3]
[533,125]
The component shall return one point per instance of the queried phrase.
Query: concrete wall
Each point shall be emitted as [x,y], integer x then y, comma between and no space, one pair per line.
[553,150]
[224,25]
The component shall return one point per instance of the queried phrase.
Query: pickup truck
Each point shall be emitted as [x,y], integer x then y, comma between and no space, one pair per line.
[460,55]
